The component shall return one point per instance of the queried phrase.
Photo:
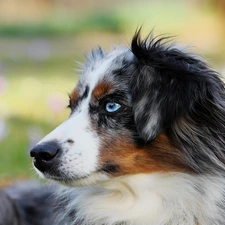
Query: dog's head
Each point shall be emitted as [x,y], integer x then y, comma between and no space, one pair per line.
[148,108]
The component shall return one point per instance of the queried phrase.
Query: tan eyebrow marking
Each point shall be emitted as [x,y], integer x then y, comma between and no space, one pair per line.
[74,95]
[101,89]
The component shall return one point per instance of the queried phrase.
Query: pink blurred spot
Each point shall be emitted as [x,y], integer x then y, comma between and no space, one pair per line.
[56,102]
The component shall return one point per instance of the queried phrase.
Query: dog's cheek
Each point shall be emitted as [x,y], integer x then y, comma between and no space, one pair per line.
[115,154]
[121,155]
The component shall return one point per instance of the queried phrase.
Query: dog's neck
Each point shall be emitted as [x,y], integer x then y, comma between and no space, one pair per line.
[156,199]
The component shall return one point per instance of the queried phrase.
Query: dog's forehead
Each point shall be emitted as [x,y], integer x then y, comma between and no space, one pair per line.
[99,74]
[101,65]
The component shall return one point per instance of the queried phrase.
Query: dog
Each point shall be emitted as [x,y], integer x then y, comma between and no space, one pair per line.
[144,143]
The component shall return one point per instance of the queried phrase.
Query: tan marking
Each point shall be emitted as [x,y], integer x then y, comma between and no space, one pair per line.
[74,95]
[159,156]
[101,89]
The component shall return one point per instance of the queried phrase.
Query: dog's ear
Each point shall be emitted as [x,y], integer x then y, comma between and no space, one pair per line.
[166,84]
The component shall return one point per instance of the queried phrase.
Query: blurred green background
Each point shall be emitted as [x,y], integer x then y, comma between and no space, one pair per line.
[41,40]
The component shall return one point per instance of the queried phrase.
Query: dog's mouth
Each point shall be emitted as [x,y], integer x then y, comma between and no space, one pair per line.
[90,179]
[64,179]
[60,177]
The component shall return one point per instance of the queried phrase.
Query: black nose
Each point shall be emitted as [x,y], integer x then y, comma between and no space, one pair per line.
[45,151]
[44,154]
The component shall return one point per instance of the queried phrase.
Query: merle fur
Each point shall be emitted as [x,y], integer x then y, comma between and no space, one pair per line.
[190,98]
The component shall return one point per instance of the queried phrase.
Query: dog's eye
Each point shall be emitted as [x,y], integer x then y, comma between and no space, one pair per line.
[112,106]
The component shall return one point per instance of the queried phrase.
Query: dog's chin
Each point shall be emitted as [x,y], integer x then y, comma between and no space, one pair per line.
[78,181]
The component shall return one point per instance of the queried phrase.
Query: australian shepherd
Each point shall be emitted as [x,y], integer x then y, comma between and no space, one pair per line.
[144,143]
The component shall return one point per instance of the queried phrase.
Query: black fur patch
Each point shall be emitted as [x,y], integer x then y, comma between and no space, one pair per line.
[110,168]
[184,96]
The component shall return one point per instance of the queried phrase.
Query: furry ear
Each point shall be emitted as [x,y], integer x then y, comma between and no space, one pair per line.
[166,84]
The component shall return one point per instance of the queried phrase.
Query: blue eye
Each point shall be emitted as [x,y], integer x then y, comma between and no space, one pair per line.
[112,107]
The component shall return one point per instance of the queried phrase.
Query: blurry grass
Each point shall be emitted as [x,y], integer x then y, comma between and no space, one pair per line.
[15,158]
[112,18]
[67,25]
[188,20]
[25,108]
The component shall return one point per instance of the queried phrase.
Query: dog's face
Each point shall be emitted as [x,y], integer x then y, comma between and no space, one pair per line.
[127,111]
[98,134]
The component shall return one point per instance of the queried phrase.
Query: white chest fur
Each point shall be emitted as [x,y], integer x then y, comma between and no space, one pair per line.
[149,199]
